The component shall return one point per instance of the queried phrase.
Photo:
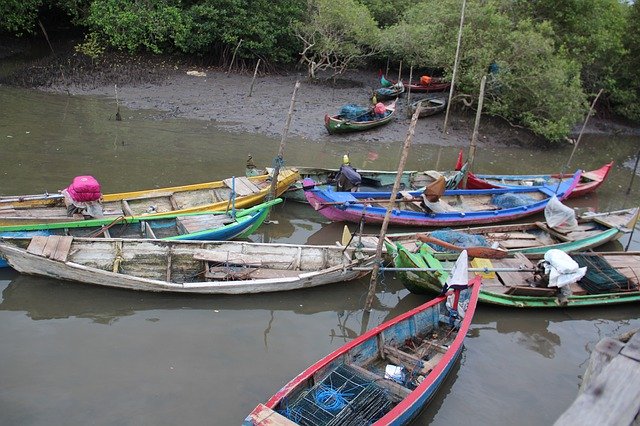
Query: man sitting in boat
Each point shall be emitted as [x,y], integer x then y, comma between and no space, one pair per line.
[347,179]
[82,197]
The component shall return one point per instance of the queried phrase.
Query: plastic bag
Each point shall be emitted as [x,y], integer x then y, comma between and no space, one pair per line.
[561,268]
[559,216]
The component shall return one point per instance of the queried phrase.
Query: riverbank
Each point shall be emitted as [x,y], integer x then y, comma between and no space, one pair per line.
[182,88]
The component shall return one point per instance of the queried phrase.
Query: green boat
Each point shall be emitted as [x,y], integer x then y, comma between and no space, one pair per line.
[611,278]
[339,124]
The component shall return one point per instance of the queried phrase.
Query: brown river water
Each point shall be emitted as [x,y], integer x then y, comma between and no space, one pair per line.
[75,355]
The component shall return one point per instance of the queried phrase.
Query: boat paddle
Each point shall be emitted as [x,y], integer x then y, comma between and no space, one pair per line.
[479,251]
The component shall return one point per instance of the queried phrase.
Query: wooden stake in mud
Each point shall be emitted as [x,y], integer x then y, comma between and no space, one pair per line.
[455,68]
[118,116]
[279,159]
[409,91]
[474,137]
[255,72]
[385,221]
[233,57]
[584,125]
[400,72]
[635,170]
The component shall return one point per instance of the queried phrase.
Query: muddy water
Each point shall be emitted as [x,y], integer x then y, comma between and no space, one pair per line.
[73,354]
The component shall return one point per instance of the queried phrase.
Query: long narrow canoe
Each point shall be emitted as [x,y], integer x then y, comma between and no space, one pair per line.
[455,207]
[206,267]
[619,270]
[589,181]
[210,196]
[384,377]
[216,226]
[429,106]
[593,230]
[372,180]
[339,124]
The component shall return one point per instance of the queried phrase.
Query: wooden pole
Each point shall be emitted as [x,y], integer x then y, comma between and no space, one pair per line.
[386,73]
[409,91]
[279,158]
[385,221]
[118,116]
[593,105]
[255,72]
[474,137]
[233,58]
[400,72]
[455,68]
[635,170]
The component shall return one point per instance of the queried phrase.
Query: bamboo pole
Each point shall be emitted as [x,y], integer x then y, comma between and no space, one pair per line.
[385,221]
[409,91]
[253,80]
[233,58]
[484,270]
[455,68]
[474,137]
[400,72]
[635,170]
[584,125]
[279,159]
[118,116]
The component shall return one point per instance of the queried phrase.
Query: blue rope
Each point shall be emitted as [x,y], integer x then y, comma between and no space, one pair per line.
[330,399]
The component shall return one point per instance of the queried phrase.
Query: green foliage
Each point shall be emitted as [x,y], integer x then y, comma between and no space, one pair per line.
[91,47]
[19,16]
[387,12]
[263,26]
[131,26]
[338,35]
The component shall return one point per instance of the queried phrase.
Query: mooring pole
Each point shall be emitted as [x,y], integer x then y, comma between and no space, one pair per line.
[255,72]
[455,68]
[385,221]
[474,137]
[633,175]
[279,159]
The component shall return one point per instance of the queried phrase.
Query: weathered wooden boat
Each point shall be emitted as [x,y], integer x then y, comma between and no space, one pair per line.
[372,180]
[429,106]
[210,196]
[384,377]
[340,124]
[589,181]
[455,207]
[611,278]
[389,93]
[593,230]
[207,267]
[217,226]
[434,86]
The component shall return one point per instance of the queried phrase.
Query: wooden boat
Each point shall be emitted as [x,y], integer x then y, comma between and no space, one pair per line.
[430,106]
[355,384]
[455,207]
[390,92]
[210,196]
[207,267]
[339,124]
[594,229]
[589,181]
[372,180]
[216,226]
[434,86]
[516,288]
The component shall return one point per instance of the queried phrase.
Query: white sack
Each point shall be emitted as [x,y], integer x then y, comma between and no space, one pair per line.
[559,216]
[561,268]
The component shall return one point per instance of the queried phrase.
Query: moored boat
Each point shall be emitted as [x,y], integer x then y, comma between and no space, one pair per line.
[341,124]
[384,377]
[454,207]
[209,196]
[611,278]
[389,92]
[206,267]
[217,226]
[372,180]
[429,106]
[589,180]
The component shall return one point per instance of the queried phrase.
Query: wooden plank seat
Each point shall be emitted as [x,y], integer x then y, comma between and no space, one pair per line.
[396,389]
[55,247]
[227,258]
[243,186]
[191,224]
[410,361]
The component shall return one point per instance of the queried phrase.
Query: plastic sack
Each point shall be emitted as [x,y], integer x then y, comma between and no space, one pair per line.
[84,189]
[380,109]
[425,80]
[559,216]
[561,268]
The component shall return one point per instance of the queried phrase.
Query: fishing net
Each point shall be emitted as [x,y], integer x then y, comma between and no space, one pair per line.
[354,112]
[342,398]
[457,238]
[510,200]
[601,277]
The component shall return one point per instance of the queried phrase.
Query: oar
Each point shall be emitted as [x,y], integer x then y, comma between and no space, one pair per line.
[479,251]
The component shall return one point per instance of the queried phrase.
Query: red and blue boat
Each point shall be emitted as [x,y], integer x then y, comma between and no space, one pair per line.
[384,377]
[454,208]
